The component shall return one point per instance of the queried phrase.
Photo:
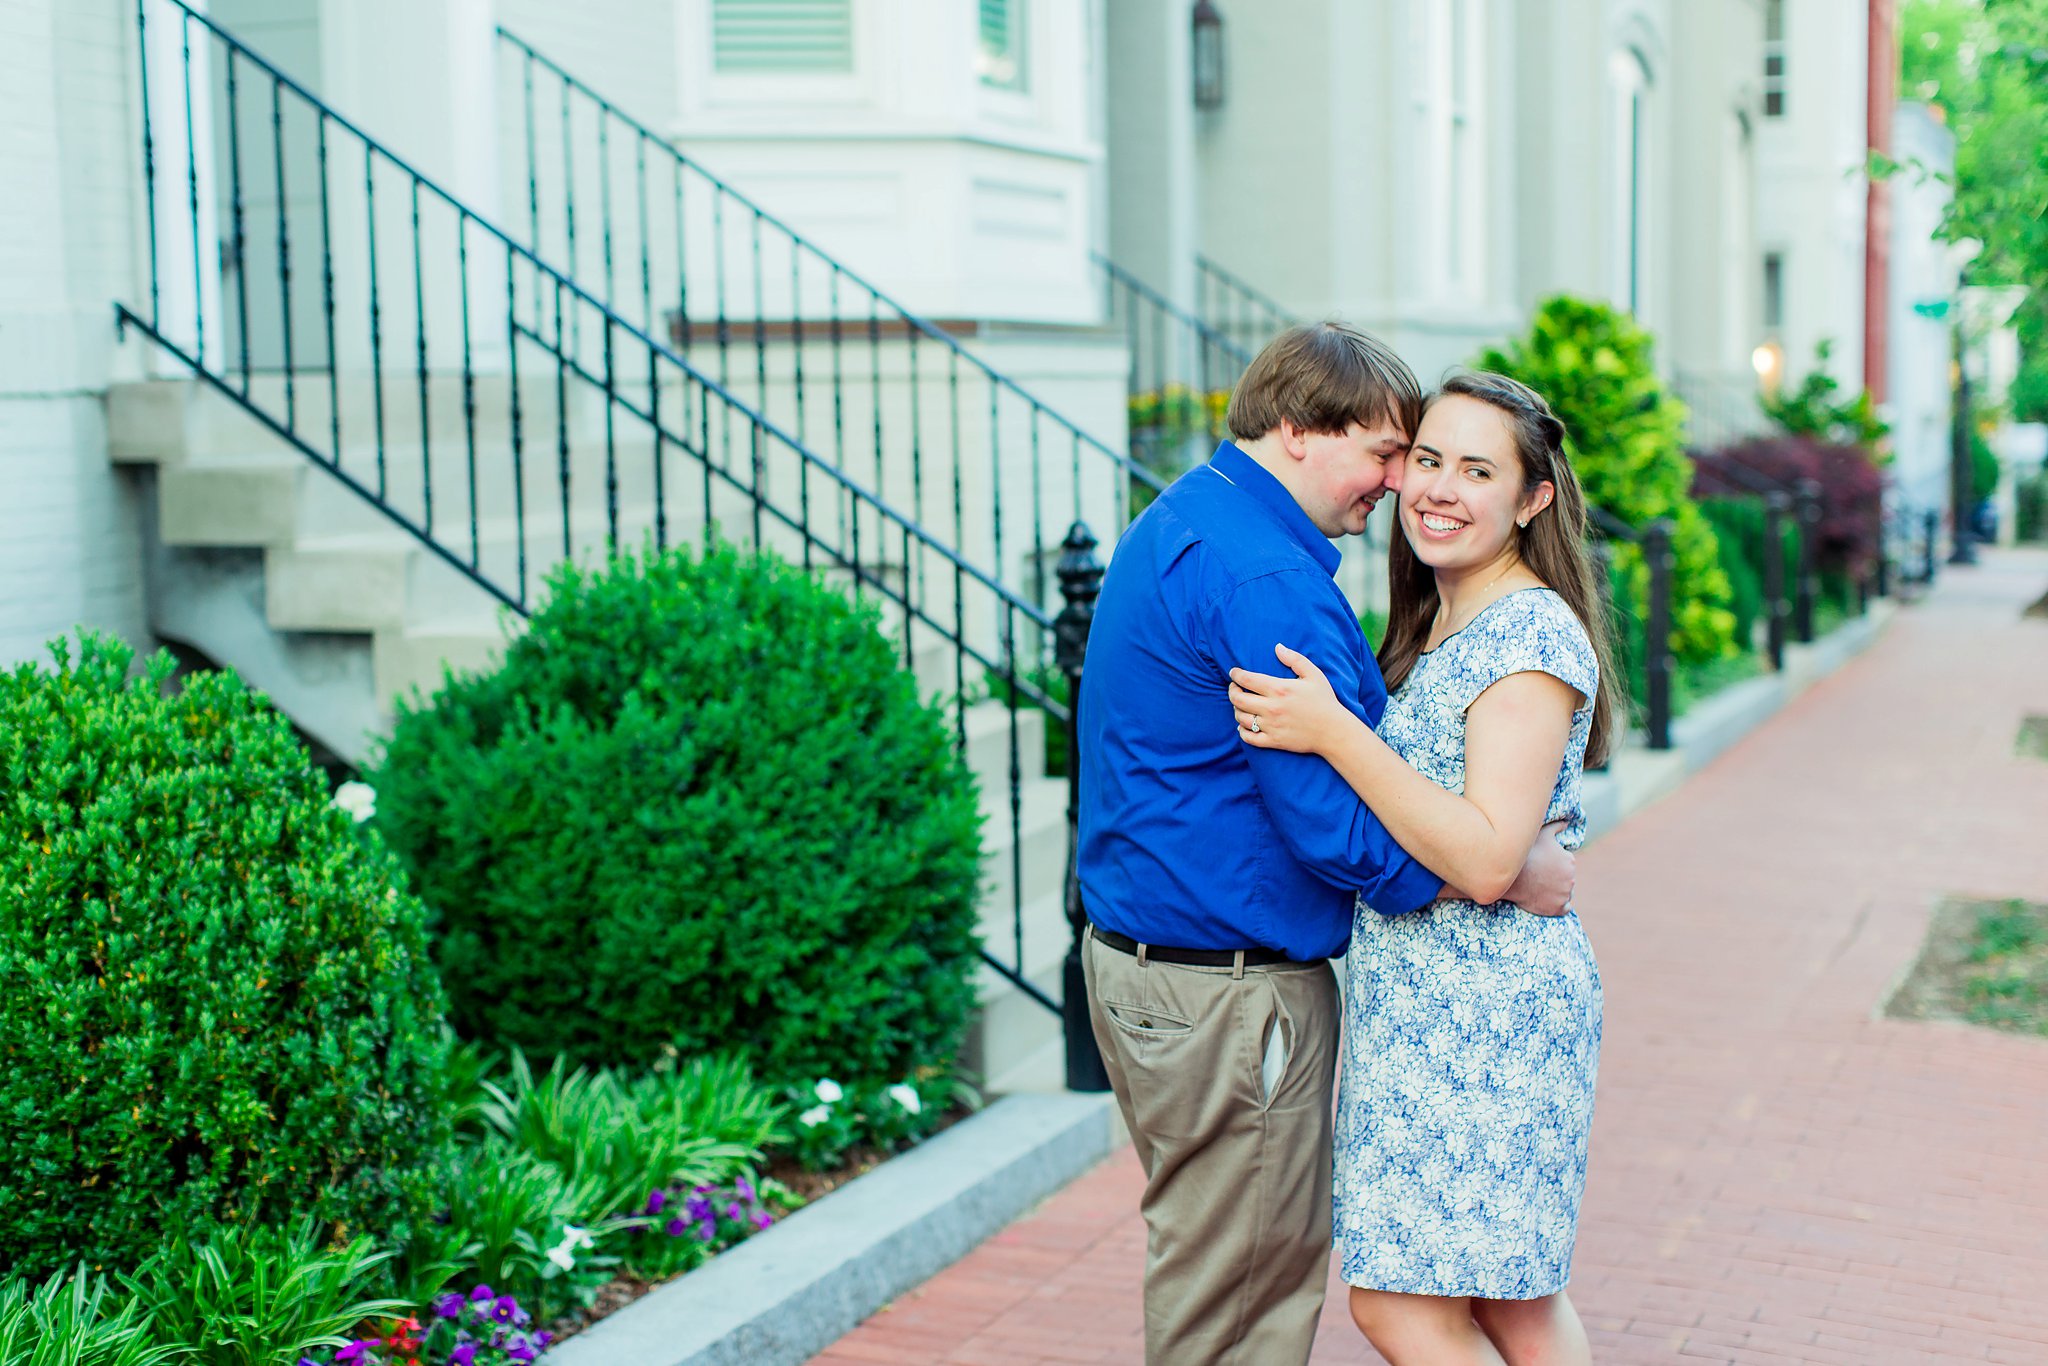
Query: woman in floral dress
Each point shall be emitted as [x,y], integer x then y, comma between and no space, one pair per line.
[1472,1029]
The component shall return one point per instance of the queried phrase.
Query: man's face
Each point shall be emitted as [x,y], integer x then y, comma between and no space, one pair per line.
[1345,474]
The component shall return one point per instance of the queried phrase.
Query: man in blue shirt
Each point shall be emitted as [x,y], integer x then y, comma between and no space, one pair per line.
[1220,877]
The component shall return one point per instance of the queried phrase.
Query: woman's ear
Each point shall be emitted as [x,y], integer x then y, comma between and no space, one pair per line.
[1539,498]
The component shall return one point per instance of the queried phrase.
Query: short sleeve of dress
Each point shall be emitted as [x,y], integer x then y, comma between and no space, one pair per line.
[1533,630]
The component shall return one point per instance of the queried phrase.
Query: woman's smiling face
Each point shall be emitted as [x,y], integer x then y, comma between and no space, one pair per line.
[1461,491]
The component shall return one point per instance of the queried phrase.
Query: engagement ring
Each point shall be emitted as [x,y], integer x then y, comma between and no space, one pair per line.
[1252,725]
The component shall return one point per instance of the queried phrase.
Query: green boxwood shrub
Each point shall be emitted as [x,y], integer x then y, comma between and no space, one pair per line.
[220,1009]
[1626,437]
[697,808]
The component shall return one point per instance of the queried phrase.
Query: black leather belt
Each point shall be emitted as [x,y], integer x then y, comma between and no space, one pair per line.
[1193,958]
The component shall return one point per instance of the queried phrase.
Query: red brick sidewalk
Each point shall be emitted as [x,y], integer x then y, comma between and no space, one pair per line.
[1778,1175]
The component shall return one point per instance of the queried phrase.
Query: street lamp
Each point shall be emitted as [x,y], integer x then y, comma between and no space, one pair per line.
[1208,55]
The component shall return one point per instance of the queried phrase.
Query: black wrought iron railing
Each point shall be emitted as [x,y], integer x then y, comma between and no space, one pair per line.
[1181,373]
[876,391]
[1234,310]
[1643,634]
[504,418]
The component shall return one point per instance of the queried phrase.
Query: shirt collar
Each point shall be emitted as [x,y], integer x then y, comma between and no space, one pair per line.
[1252,477]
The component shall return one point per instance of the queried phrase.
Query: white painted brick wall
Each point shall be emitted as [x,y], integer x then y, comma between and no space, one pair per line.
[70,546]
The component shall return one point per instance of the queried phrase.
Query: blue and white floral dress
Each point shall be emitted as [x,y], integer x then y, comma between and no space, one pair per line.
[1472,1033]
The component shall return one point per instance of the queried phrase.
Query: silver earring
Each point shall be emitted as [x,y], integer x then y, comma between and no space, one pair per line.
[1522,524]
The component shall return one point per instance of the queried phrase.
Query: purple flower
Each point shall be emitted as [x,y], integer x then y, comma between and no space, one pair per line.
[734,1212]
[354,1351]
[522,1350]
[504,1309]
[702,1190]
[656,1201]
[743,1188]
[762,1219]
[308,1361]
[481,1294]
[465,1355]
[707,1230]
[696,1208]
[541,1340]
[447,1305]
[678,1227]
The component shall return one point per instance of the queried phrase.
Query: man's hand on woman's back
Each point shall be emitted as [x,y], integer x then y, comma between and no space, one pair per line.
[1545,884]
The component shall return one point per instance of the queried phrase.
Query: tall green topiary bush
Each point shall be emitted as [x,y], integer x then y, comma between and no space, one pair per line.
[219,1008]
[698,806]
[1626,437]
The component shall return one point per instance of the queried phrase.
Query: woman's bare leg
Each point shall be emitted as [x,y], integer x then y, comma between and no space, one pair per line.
[1544,1332]
[1421,1330]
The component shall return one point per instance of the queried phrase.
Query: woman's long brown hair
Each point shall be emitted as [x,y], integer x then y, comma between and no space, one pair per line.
[1554,545]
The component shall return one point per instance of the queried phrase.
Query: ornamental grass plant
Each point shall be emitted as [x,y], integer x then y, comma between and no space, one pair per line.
[221,1011]
[698,810]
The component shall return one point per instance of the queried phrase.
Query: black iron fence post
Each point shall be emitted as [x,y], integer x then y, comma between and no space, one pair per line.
[1080,575]
[1657,632]
[1776,505]
[1932,526]
[1809,554]
[1884,553]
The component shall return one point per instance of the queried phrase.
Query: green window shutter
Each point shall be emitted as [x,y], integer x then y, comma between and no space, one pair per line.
[1002,43]
[782,37]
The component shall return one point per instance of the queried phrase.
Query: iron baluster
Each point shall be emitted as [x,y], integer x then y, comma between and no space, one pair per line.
[419,310]
[376,314]
[284,256]
[562,414]
[532,191]
[518,425]
[327,293]
[468,388]
[236,237]
[192,182]
[611,460]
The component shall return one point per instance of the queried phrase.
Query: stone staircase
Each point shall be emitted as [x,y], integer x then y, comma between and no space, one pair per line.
[265,559]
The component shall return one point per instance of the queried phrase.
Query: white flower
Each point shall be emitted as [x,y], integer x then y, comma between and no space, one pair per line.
[828,1090]
[903,1094]
[563,1254]
[358,799]
[814,1116]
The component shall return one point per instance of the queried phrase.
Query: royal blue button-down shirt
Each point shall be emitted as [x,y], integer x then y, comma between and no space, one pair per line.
[1189,837]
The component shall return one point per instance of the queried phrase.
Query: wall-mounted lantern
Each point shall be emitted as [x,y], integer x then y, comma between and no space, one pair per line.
[1208,54]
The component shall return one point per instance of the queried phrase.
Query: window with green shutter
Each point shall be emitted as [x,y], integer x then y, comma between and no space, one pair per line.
[1001,59]
[782,37]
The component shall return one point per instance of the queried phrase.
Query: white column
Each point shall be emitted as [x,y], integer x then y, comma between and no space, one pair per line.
[177,57]
[1154,207]
[418,77]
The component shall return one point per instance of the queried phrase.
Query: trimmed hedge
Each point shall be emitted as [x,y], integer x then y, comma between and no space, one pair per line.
[220,1009]
[699,807]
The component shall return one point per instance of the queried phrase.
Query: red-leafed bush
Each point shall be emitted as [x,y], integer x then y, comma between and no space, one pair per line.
[1851,489]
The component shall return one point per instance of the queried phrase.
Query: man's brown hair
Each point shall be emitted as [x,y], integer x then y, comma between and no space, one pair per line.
[1323,377]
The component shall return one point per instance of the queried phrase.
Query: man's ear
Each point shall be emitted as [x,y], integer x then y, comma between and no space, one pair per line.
[1293,439]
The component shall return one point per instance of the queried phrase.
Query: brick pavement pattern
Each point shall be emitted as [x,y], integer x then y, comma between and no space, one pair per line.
[1779,1174]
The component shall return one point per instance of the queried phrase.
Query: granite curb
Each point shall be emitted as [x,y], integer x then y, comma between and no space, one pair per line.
[786,1294]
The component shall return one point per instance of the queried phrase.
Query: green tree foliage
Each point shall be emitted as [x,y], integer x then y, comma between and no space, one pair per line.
[698,807]
[1984,64]
[1625,434]
[220,1008]
[1817,409]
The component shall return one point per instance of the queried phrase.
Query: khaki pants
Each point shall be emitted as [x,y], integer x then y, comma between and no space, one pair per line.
[1224,1079]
